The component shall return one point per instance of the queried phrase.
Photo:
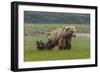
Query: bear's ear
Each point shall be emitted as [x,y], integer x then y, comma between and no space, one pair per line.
[63,28]
[73,29]
[67,28]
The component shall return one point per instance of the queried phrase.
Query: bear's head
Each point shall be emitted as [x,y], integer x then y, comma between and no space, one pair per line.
[69,31]
[49,44]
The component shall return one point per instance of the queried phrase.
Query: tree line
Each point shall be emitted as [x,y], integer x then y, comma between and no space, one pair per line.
[55,17]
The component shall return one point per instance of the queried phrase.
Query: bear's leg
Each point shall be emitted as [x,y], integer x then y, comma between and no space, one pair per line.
[64,44]
[68,44]
[61,44]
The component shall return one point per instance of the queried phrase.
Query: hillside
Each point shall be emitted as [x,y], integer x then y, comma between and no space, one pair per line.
[54,17]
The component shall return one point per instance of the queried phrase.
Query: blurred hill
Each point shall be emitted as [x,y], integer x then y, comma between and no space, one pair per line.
[55,17]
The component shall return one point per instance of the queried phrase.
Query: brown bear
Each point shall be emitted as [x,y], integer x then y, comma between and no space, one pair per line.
[62,37]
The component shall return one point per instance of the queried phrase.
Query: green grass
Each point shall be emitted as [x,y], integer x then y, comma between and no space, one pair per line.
[49,27]
[80,50]
[80,45]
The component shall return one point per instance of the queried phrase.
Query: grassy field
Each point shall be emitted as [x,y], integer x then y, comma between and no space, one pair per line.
[80,45]
[49,27]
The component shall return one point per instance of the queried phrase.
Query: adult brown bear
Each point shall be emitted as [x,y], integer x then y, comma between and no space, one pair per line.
[62,37]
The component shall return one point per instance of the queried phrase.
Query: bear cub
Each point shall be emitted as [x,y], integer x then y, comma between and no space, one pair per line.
[41,45]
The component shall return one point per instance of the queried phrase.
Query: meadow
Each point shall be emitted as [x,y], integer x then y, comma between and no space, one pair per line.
[80,45]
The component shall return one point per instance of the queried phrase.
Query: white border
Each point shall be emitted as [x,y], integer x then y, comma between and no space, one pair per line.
[22,64]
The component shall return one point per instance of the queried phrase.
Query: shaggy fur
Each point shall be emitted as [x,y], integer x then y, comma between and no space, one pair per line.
[62,37]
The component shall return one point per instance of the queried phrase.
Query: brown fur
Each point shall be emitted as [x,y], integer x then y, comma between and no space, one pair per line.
[62,37]
[49,45]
